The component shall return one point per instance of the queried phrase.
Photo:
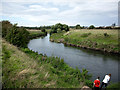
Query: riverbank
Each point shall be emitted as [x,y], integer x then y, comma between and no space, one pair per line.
[36,33]
[99,40]
[23,68]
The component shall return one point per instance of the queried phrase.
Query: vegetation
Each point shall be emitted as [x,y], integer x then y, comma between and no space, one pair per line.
[115,86]
[6,25]
[104,40]
[18,36]
[37,33]
[59,27]
[78,26]
[23,68]
[92,27]
[38,28]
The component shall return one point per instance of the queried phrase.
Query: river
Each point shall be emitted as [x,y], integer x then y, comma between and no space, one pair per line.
[97,63]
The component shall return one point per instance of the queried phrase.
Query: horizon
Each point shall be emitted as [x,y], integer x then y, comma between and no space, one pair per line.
[49,12]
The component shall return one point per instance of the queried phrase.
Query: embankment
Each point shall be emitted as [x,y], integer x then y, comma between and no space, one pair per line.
[23,68]
[99,40]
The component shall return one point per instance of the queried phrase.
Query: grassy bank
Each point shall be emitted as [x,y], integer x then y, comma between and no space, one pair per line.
[115,86]
[23,68]
[36,33]
[103,40]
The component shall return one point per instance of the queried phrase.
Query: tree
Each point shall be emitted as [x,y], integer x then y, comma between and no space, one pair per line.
[65,27]
[78,26]
[18,36]
[6,25]
[91,27]
[59,26]
[43,30]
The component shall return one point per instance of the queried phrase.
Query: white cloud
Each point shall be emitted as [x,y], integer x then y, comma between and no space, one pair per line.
[50,12]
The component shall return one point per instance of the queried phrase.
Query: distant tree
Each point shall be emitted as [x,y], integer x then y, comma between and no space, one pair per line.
[78,26]
[91,27]
[108,27]
[59,26]
[43,30]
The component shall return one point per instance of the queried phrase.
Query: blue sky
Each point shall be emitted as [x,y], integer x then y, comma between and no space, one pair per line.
[70,12]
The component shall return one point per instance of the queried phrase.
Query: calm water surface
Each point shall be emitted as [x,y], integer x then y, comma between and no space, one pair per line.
[97,63]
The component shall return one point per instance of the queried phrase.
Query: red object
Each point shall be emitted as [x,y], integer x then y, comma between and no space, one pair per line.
[97,83]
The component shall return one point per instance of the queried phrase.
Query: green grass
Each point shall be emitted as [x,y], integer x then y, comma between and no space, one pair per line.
[23,68]
[36,33]
[90,38]
[115,86]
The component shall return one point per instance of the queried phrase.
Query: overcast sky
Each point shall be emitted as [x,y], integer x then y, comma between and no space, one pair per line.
[70,12]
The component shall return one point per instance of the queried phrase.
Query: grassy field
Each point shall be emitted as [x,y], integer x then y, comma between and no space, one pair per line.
[105,40]
[23,68]
[36,33]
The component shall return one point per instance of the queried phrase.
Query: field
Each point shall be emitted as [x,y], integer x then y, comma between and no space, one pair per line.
[36,33]
[106,40]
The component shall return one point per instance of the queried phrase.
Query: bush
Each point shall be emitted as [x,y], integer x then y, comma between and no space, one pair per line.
[43,30]
[89,83]
[18,36]
[6,25]
[106,35]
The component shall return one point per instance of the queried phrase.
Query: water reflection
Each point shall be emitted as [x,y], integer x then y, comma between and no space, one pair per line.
[97,63]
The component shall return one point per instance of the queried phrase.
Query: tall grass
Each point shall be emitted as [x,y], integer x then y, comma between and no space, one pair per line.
[23,68]
[106,40]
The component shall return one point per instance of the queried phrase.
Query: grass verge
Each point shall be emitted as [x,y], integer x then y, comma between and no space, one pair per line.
[23,68]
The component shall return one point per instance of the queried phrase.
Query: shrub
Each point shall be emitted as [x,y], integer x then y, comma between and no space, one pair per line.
[18,36]
[106,35]
[89,83]
[6,25]
[43,30]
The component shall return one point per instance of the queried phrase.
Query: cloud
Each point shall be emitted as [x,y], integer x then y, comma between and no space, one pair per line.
[48,12]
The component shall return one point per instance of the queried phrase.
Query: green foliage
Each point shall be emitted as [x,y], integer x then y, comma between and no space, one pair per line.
[91,27]
[59,27]
[85,34]
[43,30]
[94,39]
[89,83]
[114,86]
[65,73]
[78,26]
[6,54]
[35,34]
[106,35]
[18,36]
[6,25]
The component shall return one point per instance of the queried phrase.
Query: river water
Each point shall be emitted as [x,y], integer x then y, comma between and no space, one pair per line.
[97,63]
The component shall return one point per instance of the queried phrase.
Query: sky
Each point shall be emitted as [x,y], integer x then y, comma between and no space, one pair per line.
[50,12]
